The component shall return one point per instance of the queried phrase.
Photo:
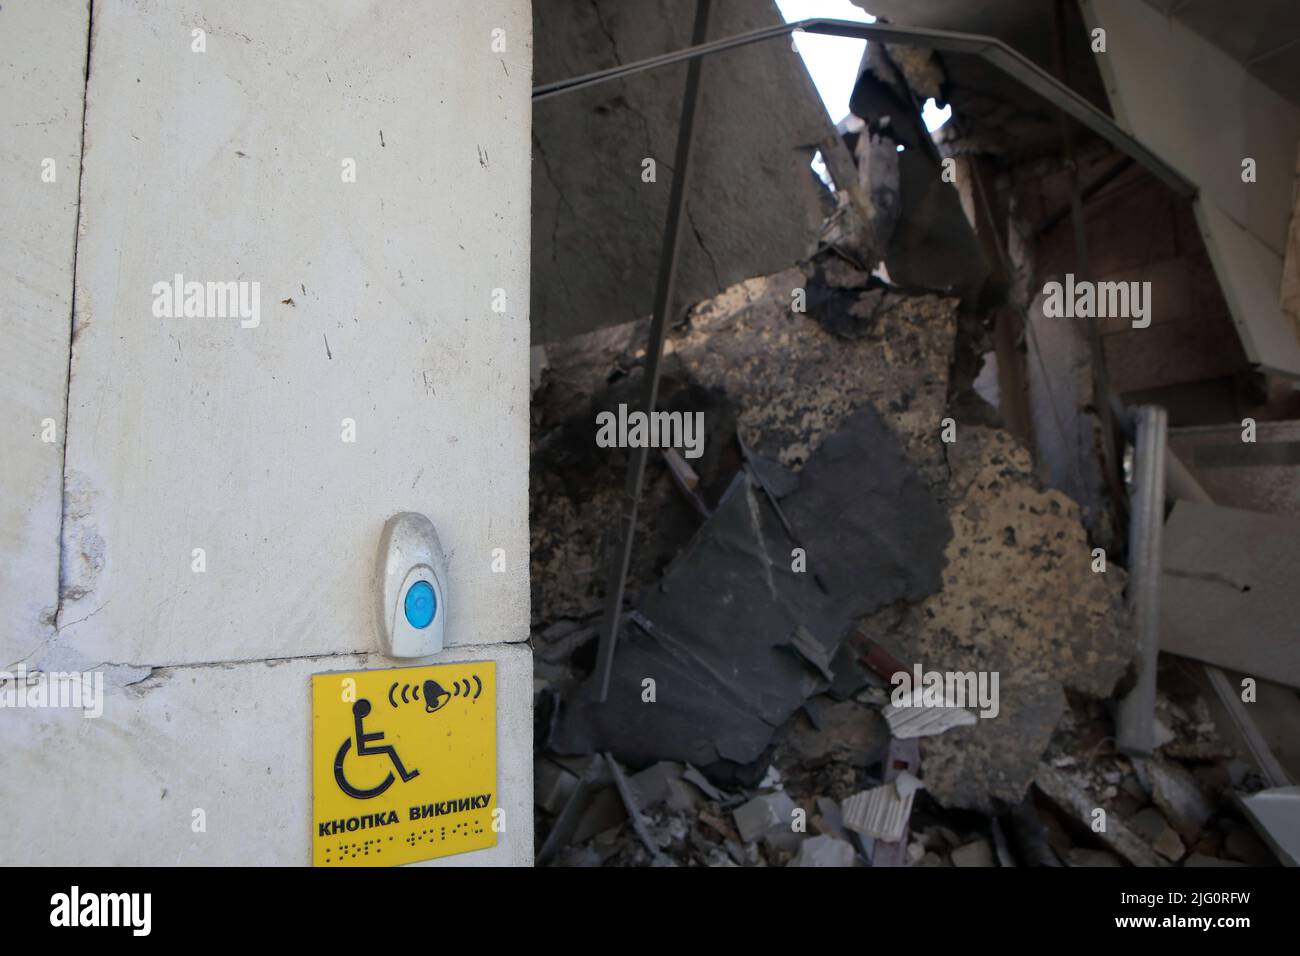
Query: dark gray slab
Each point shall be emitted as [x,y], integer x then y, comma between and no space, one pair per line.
[714,634]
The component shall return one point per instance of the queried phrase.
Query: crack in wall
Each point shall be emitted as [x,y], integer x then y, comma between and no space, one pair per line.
[600,21]
[72,326]
[713,264]
[555,226]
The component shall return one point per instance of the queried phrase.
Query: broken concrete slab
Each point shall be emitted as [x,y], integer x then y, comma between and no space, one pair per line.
[1063,792]
[1228,589]
[1020,599]
[793,382]
[707,634]
[1179,797]
[932,244]
[752,204]
[755,368]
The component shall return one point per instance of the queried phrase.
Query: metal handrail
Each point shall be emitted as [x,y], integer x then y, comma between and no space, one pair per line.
[990,49]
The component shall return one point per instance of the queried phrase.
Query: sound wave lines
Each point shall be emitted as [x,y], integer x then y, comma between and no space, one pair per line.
[435,696]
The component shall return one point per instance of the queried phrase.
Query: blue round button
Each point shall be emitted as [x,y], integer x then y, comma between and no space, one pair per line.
[421,604]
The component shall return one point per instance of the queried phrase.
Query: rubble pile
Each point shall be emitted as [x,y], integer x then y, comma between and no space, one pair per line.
[769,733]
[889,613]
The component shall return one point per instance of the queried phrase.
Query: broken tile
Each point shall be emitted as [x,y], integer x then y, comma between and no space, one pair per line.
[918,720]
[882,812]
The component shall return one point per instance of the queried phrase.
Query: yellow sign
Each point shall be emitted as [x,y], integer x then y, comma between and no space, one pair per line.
[404,764]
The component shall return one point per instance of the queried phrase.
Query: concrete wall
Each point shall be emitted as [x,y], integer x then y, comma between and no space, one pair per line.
[376,314]
[42,89]
[753,206]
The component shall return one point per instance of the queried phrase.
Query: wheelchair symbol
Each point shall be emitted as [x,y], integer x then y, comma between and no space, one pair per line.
[361,710]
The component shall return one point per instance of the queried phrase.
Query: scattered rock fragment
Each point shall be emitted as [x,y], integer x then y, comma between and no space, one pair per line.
[762,814]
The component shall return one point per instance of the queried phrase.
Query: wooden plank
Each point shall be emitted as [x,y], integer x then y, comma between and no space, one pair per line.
[1229,594]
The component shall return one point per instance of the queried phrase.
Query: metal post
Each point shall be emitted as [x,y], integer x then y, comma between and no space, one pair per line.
[654,353]
[1134,724]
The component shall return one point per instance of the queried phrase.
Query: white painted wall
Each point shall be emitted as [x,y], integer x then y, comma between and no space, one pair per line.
[1202,113]
[42,84]
[233,741]
[186,433]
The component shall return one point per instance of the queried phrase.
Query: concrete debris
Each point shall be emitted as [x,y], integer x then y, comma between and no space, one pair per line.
[693,776]
[824,851]
[829,820]
[664,784]
[632,808]
[1080,809]
[932,245]
[553,785]
[828,538]
[1179,797]
[793,382]
[763,814]
[710,631]
[1151,825]
[1020,599]
[882,812]
[848,734]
